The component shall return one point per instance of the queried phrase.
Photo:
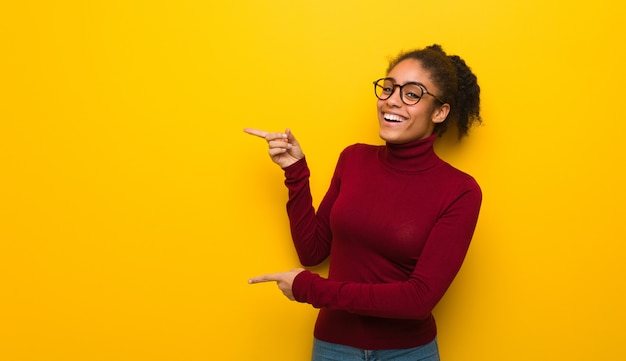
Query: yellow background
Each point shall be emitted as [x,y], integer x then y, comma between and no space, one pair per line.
[133,208]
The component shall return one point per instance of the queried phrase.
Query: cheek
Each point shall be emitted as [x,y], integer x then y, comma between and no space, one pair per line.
[421,114]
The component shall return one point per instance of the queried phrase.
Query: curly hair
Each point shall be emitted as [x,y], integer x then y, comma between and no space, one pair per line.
[455,80]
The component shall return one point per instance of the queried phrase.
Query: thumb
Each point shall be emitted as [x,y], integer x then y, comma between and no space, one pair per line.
[290,137]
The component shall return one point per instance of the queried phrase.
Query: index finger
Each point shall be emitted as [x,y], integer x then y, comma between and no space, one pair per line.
[258,132]
[264,278]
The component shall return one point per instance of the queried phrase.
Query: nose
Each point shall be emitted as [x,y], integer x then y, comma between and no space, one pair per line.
[395,99]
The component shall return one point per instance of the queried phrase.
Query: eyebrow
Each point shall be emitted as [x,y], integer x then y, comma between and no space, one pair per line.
[409,82]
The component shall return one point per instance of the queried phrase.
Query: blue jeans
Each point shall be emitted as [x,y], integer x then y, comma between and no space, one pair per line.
[324,351]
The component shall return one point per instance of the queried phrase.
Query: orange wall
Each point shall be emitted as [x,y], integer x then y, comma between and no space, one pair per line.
[133,208]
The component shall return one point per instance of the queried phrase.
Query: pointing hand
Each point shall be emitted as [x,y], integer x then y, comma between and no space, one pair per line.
[284,280]
[284,148]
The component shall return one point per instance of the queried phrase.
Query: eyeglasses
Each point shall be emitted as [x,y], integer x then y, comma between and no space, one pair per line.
[410,93]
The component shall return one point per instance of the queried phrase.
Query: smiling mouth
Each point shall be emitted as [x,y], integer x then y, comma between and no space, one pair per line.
[393,118]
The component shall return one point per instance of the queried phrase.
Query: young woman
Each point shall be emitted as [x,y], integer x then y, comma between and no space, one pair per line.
[396,221]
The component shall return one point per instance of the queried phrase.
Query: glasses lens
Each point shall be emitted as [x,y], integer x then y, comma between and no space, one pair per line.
[412,93]
[384,88]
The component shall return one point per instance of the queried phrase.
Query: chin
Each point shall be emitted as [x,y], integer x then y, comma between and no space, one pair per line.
[389,138]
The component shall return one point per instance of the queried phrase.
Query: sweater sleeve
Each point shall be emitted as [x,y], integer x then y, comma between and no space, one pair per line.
[310,230]
[414,298]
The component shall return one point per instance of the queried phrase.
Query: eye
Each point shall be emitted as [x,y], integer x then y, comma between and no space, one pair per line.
[387,89]
[412,91]
[412,95]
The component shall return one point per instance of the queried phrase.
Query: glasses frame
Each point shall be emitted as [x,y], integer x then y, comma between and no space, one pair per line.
[419,85]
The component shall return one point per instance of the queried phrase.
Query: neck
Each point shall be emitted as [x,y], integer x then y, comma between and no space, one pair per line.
[415,156]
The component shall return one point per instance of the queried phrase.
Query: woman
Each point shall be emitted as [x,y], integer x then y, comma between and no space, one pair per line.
[396,221]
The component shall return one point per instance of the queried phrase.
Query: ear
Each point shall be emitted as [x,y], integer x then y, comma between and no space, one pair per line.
[441,113]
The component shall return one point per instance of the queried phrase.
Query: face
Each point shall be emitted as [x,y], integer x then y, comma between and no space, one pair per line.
[401,123]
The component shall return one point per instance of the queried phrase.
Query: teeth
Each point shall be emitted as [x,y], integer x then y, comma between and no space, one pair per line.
[393,117]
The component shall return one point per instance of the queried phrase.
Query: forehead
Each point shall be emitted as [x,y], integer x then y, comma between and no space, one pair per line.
[410,70]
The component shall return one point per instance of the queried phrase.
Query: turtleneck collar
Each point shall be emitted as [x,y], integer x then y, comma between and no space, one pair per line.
[416,156]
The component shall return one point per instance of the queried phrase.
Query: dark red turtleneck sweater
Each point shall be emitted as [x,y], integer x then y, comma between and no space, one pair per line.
[396,222]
